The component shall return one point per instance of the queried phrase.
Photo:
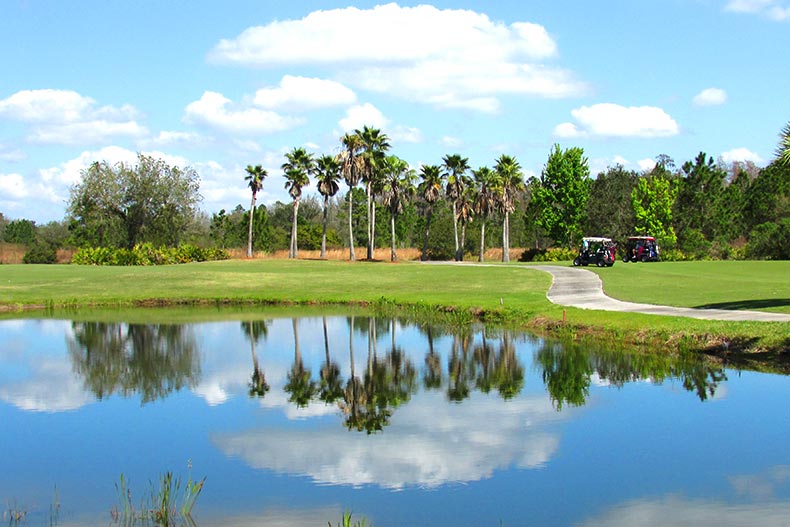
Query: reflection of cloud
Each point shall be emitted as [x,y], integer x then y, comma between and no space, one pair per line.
[429,443]
[51,387]
[675,510]
[279,517]
[761,486]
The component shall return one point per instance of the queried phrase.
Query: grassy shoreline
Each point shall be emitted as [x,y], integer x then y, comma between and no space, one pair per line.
[512,295]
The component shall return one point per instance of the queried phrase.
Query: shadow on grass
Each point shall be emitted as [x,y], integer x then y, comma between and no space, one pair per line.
[748,304]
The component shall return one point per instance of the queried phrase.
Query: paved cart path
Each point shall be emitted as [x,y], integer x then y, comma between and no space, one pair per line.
[575,287]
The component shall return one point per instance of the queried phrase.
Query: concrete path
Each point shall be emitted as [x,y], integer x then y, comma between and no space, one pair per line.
[574,287]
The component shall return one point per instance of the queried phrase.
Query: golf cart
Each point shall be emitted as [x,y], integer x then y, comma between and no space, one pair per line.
[596,251]
[641,249]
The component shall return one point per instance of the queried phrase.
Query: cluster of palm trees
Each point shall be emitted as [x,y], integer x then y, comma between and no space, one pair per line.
[391,182]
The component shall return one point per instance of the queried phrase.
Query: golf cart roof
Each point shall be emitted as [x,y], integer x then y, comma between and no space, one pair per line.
[650,238]
[595,239]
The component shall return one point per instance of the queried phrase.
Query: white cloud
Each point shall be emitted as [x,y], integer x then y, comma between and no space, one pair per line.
[216,111]
[405,134]
[741,154]
[66,117]
[450,58]
[171,138]
[710,97]
[614,120]
[11,154]
[361,115]
[646,164]
[777,10]
[302,93]
[451,142]
[13,186]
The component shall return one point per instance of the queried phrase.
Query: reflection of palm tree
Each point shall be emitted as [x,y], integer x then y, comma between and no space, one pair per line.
[300,385]
[458,385]
[509,370]
[484,362]
[254,330]
[330,388]
[432,378]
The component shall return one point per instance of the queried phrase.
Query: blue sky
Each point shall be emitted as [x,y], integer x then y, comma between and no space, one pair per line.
[218,86]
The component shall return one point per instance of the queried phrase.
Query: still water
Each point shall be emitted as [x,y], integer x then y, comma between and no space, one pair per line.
[293,421]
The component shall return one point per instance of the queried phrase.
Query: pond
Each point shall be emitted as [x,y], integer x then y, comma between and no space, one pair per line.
[294,421]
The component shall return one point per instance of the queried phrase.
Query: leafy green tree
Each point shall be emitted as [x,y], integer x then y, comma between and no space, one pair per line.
[562,196]
[767,199]
[298,167]
[3,223]
[455,169]
[652,200]
[610,212]
[509,183]
[398,189]
[123,205]
[254,178]
[21,231]
[700,203]
[327,173]
[430,190]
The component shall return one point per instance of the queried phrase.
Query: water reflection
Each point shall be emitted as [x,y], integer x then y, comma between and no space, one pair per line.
[148,359]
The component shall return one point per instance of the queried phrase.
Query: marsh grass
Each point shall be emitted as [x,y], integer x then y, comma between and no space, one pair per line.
[347,522]
[166,505]
[14,514]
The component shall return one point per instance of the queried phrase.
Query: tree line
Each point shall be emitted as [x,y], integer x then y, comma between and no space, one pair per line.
[699,209]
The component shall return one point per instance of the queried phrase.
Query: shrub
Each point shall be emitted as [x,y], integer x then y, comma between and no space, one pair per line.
[556,254]
[770,241]
[147,254]
[41,253]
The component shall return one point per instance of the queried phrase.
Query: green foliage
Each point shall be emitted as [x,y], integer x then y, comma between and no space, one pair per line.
[770,241]
[41,253]
[652,199]
[552,254]
[166,505]
[563,193]
[20,231]
[147,254]
[346,522]
[122,205]
[610,212]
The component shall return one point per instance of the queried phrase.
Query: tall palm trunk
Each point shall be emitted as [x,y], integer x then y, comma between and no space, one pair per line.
[463,241]
[455,232]
[424,255]
[249,231]
[326,341]
[323,231]
[370,221]
[393,254]
[351,254]
[506,238]
[482,240]
[373,229]
[294,250]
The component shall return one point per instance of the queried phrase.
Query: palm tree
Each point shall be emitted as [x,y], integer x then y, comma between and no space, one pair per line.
[509,184]
[374,146]
[430,188]
[398,189]
[483,202]
[327,173]
[783,148]
[297,168]
[255,176]
[351,170]
[465,210]
[455,169]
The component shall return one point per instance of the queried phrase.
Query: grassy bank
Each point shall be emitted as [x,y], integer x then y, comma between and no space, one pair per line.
[504,294]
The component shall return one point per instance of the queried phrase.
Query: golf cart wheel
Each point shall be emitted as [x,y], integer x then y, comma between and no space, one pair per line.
[601,263]
[644,258]
[626,259]
[577,262]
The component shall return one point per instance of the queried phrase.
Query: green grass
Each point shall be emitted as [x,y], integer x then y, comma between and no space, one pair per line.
[509,294]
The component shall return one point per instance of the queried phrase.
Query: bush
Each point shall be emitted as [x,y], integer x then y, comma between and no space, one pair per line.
[41,253]
[770,241]
[147,254]
[552,254]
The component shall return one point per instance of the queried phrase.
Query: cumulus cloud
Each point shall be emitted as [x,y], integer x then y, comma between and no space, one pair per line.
[66,117]
[300,93]
[451,58]
[13,186]
[647,164]
[741,154]
[614,120]
[710,97]
[216,111]
[361,115]
[777,10]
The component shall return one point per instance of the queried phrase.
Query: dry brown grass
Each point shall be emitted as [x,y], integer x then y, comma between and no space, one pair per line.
[13,253]
[383,254]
